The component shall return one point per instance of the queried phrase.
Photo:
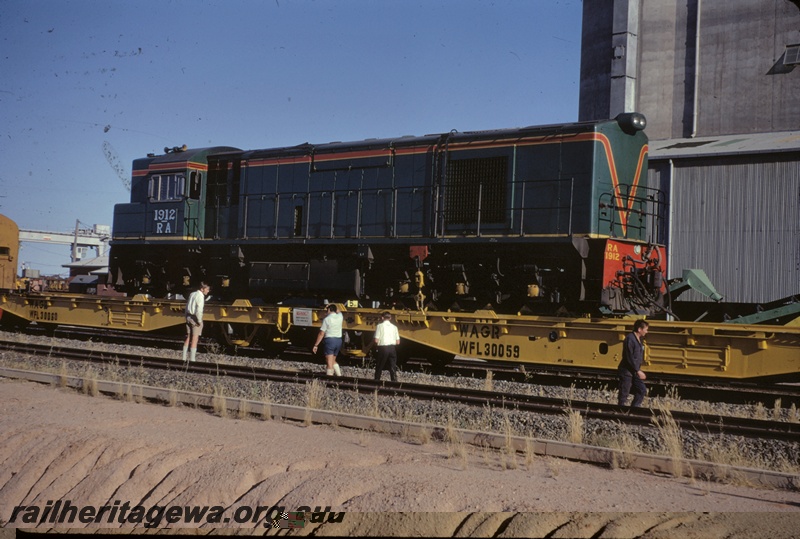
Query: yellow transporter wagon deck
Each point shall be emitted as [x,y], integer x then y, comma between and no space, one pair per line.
[692,349]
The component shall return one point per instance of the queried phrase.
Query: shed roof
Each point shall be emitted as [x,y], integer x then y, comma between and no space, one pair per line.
[98,262]
[84,279]
[751,143]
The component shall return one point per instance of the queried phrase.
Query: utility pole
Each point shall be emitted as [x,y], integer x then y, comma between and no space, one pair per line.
[75,241]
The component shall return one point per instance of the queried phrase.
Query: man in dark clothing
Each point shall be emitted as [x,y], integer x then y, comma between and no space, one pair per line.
[630,368]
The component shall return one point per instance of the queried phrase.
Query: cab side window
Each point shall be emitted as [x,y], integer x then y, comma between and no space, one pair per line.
[195,183]
[165,187]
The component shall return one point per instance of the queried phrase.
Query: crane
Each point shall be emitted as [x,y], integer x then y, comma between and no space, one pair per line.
[116,164]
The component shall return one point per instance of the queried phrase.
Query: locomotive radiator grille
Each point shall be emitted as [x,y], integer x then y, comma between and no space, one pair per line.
[476,191]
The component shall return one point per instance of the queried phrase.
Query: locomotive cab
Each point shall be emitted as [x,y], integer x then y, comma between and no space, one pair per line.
[167,207]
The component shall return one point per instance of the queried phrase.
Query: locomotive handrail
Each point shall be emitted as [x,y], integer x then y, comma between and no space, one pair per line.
[653,198]
[393,228]
[558,207]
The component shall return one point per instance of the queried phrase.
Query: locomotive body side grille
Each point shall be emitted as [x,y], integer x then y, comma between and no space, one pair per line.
[476,191]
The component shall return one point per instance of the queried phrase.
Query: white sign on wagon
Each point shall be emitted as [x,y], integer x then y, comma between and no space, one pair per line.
[303,317]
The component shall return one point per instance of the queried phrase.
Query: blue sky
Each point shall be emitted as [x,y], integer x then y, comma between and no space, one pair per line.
[86,86]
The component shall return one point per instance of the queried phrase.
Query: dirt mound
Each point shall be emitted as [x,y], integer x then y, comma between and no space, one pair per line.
[59,445]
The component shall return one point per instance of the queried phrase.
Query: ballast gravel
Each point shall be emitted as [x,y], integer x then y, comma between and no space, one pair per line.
[740,451]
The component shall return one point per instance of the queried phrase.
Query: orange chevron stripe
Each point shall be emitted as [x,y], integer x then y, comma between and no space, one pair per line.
[624,210]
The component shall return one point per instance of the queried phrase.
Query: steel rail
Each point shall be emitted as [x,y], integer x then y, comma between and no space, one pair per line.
[731,392]
[709,423]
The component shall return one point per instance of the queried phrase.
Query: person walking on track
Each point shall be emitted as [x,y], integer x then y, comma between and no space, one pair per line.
[387,337]
[330,336]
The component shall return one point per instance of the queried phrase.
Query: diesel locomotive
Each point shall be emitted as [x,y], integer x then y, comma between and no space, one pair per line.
[538,220]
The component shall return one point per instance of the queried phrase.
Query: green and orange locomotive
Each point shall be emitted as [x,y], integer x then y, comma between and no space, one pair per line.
[538,220]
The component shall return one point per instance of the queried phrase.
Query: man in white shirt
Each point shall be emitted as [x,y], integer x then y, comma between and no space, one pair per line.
[330,335]
[387,337]
[194,320]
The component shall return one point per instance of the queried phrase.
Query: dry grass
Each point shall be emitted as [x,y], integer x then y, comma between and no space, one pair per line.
[530,453]
[670,400]
[90,383]
[243,411]
[575,426]
[315,393]
[456,447]
[485,422]
[671,439]
[114,370]
[266,410]
[488,383]
[424,435]
[718,451]
[265,389]
[376,408]
[760,412]
[672,394]
[219,403]
[627,444]
[510,453]
[121,391]
[488,456]
[570,395]
[62,375]
[554,466]
[315,397]
[703,407]
[409,434]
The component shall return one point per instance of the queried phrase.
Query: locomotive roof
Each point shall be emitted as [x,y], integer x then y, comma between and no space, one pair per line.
[183,155]
[422,140]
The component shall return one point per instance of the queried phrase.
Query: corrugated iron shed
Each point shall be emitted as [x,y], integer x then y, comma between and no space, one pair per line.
[734,211]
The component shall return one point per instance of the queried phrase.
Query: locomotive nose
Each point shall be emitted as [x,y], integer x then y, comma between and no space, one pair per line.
[631,122]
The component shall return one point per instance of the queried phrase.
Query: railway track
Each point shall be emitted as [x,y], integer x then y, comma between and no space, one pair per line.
[702,423]
[729,392]
[732,392]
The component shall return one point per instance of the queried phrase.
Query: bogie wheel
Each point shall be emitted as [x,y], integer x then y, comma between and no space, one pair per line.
[12,322]
[360,347]
[235,336]
[50,329]
[437,358]
[272,342]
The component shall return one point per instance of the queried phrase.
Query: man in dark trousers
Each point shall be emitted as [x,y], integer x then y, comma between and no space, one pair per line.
[387,338]
[630,368]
